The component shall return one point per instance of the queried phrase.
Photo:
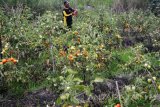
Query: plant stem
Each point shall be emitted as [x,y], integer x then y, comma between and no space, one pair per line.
[1,56]
[153,82]
[51,52]
[119,95]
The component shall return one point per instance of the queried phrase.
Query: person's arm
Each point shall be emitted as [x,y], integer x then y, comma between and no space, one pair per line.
[72,9]
[65,14]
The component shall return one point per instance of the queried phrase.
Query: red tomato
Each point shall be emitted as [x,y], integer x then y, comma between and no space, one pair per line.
[118,105]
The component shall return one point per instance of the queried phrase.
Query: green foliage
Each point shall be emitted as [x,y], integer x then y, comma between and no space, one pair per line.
[125,5]
[155,7]
[96,49]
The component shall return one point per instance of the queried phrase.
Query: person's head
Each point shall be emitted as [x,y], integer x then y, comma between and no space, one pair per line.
[66,3]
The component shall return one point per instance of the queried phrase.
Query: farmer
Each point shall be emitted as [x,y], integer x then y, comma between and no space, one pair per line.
[68,12]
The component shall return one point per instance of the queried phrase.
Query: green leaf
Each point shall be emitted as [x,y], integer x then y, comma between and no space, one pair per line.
[98,79]
[74,100]
[77,80]
[79,87]
[70,71]
[86,105]
[58,101]
[64,96]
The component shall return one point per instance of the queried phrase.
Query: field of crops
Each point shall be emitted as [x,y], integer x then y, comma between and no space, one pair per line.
[108,58]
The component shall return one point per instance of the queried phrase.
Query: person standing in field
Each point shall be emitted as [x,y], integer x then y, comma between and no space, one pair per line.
[68,12]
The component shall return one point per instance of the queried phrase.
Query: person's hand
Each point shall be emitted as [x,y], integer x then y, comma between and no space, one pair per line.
[75,13]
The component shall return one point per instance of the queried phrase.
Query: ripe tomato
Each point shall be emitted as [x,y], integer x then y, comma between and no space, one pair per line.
[118,105]
[4,61]
[70,57]
[14,61]
[11,59]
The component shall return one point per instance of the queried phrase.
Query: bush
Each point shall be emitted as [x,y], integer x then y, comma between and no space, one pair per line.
[155,7]
[124,5]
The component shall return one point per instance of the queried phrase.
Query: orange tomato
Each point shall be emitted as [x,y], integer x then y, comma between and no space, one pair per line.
[11,59]
[118,105]
[79,40]
[14,61]
[4,61]
[62,53]
[70,57]
[1,63]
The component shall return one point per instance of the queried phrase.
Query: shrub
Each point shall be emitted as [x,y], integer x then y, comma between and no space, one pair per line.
[123,5]
[155,7]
